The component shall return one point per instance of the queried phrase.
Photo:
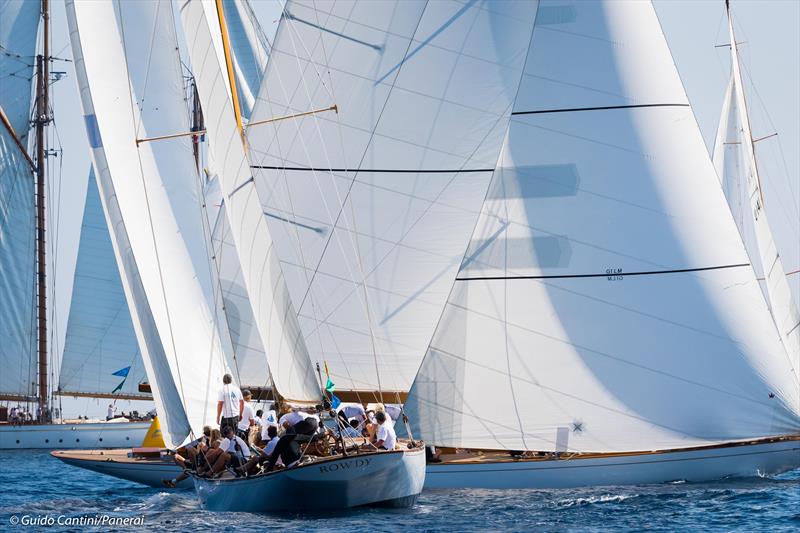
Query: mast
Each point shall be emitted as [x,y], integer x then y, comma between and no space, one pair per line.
[42,119]
[736,67]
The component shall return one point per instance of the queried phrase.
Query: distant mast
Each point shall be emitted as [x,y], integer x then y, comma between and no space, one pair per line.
[42,119]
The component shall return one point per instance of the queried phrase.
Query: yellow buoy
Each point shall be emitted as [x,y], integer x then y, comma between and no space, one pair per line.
[154,439]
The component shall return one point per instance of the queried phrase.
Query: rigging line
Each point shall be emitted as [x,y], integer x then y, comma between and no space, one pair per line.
[605,275]
[599,108]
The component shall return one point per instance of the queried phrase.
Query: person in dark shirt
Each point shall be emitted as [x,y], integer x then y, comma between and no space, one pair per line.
[288,447]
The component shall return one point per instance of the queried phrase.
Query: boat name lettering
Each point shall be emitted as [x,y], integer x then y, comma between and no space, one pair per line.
[614,274]
[347,465]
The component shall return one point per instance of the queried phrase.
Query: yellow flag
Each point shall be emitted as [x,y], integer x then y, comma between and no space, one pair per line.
[153,439]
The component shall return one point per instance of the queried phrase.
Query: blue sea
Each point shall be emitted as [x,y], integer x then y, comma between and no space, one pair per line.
[39,487]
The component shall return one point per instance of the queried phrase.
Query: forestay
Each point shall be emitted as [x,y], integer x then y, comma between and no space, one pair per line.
[133,91]
[371,207]
[292,372]
[100,339]
[734,158]
[605,302]
[19,22]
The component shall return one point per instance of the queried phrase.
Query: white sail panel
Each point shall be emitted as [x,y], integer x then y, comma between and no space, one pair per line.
[100,339]
[19,22]
[734,158]
[371,206]
[606,302]
[19,28]
[292,372]
[248,361]
[155,184]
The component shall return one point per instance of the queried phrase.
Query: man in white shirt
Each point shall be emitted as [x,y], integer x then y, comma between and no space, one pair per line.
[235,451]
[230,403]
[270,418]
[291,418]
[385,437]
[110,413]
[248,419]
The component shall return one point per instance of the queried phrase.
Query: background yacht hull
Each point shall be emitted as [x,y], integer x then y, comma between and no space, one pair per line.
[392,479]
[71,436]
[147,471]
[707,464]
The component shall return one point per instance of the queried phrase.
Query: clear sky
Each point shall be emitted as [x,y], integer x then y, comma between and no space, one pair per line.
[771,56]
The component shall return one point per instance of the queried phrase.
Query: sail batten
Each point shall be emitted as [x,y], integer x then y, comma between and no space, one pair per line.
[605,302]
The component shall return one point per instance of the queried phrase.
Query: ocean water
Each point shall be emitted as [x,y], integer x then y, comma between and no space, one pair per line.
[35,485]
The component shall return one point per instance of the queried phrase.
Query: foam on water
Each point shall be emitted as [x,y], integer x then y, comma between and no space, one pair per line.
[36,484]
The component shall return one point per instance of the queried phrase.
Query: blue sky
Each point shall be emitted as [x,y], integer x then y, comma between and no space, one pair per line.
[771,56]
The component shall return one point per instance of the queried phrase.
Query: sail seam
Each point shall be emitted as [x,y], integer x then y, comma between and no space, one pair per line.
[603,275]
[379,170]
[599,108]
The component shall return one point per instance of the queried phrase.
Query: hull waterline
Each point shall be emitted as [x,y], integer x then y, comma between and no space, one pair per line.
[759,458]
[72,436]
[392,479]
[148,471]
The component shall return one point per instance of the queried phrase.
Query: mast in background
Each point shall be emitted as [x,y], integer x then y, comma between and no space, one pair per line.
[42,119]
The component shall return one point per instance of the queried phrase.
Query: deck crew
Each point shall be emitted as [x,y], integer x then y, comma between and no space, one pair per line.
[247,420]
[385,437]
[195,453]
[230,404]
[288,448]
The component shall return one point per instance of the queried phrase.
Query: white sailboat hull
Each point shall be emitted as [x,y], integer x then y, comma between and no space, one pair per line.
[392,479]
[116,463]
[72,436]
[697,465]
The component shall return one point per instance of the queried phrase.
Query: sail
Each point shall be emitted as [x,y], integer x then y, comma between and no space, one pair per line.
[605,302]
[100,339]
[248,361]
[133,91]
[371,206]
[734,158]
[287,356]
[19,23]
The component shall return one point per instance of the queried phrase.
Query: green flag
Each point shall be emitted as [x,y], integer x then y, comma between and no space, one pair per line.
[329,386]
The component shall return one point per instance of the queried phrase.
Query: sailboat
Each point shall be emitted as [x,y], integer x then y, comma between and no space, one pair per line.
[24,355]
[735,161]
[350,476]
[606,325]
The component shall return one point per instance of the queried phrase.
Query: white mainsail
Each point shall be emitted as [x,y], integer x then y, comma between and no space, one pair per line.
[19,23]
[292,372]
[734,158]
[606,302]
[131,91]
[371,207]
[100,338]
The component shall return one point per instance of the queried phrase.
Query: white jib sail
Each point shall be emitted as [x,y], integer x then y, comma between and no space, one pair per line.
[371,207]
[606,302]
[131,91]
[100,338]
[19,22]
[292,372]
[734,158]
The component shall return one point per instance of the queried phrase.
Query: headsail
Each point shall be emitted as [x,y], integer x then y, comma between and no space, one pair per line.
[130,92]
[606,302]
[371,206]
[19,22]
[100,337]
[292,372]
[734,158]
